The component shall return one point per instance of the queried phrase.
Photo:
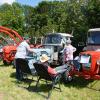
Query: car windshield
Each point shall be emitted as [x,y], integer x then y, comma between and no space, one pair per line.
[52,39]
[94,37]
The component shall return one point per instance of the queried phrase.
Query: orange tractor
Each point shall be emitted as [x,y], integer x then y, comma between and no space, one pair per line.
[12,39]
[8,51]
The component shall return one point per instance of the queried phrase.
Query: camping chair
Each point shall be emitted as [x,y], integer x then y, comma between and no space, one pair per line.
[43,74]
[25,70]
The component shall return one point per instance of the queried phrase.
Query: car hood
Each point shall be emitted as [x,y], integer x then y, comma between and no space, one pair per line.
[91,53]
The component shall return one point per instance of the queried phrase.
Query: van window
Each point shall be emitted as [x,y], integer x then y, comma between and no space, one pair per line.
[94,37]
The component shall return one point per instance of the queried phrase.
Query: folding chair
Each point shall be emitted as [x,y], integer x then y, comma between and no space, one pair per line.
[43,74]
[25,70]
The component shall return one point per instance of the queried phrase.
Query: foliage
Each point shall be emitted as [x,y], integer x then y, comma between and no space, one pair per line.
[93,15]
[12,16]
[60,16]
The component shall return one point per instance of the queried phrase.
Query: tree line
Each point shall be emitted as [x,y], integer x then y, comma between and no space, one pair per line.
[70,16]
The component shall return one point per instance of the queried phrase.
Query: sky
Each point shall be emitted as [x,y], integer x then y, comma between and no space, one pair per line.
[6,1]
[27,2]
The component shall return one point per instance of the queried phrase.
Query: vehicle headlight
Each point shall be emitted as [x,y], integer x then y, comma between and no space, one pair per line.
[98,62]
[1,50]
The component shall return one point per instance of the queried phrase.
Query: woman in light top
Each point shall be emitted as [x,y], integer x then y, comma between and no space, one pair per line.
[68,51]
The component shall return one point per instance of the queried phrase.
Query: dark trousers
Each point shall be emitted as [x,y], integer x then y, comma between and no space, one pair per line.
[19,75]
[77,65]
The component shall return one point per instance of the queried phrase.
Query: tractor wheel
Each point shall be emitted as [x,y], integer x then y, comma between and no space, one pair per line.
[6,63]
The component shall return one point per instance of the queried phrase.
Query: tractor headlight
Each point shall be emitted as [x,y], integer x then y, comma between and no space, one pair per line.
[98,62]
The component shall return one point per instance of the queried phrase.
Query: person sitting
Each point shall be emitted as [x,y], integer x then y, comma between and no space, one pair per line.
[44,60]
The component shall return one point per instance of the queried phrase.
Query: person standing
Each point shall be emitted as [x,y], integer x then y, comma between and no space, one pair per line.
[68,51]
[22,51]
[68,60]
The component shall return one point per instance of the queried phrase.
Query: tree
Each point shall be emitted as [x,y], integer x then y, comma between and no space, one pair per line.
[61,16]
[12,16]
[92,13]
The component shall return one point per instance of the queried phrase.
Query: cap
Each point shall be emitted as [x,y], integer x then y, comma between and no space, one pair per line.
[27,38]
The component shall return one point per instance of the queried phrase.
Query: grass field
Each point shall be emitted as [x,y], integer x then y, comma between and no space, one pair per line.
[79,89]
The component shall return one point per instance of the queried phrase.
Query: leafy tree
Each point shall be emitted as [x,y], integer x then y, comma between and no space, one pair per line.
[12,16]
[93,13]
[68,16]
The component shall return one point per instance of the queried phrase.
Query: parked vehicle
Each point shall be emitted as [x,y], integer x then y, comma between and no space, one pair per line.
[52,45]
[90,58]
[9,49]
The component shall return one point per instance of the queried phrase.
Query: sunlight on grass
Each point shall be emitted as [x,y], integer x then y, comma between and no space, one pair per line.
[79,89]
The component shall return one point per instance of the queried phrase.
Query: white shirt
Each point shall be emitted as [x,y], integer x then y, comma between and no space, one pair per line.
[22,50]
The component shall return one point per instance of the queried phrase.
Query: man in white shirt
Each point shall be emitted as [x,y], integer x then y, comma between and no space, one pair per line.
[22,51]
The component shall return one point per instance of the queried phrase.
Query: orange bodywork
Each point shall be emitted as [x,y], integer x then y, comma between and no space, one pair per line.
[9,53]
[94,71]
[10,49]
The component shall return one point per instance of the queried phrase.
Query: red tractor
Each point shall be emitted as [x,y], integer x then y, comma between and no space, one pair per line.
[90,58]
[3,41]
[8,51]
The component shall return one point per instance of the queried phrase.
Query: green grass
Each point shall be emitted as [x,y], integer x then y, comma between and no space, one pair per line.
[79,89]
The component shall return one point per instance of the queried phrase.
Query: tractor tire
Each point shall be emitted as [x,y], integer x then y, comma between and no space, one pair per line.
[6,63]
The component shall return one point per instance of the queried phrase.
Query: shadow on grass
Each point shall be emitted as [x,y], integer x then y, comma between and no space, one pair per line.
[78,82]
[92,86]
[93,89]
[38,90]
[2,65]
[13,75]
[42,89]
[25,79]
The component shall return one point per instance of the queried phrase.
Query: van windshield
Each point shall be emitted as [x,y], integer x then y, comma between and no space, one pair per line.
[52,39]
[94,38]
